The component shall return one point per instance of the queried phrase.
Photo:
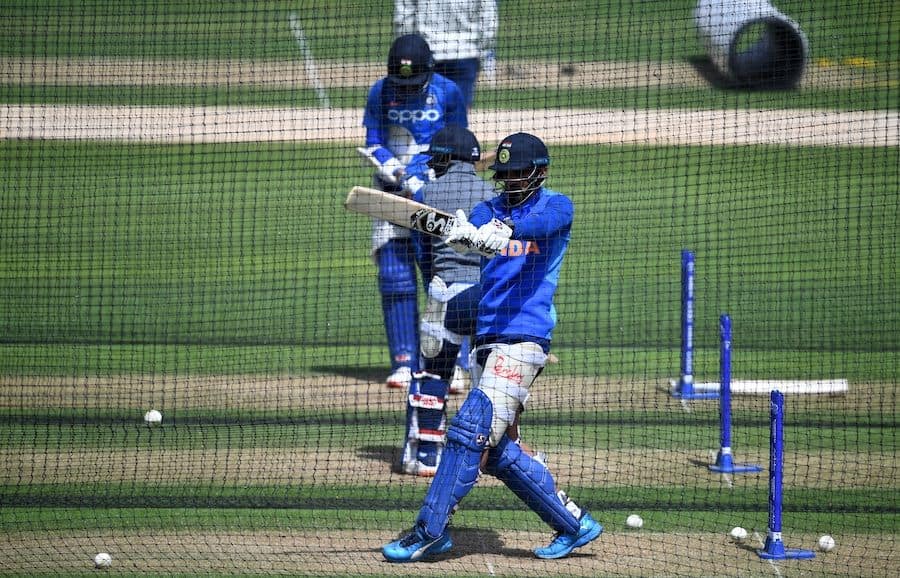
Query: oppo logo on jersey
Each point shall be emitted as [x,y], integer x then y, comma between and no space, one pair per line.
[401,116]
[516,248]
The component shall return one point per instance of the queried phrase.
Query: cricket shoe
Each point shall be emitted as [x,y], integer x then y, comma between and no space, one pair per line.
[400,378]
[563,544]
[415,546]
[460,380]
[421,458]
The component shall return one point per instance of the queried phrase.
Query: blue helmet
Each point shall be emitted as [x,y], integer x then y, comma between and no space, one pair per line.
[520,167]
[410,63]
[452,143]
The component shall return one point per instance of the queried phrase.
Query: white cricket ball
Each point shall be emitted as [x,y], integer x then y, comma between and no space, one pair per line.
[153,417]
[102,560]
[738,534]
[634,521]
[826,543]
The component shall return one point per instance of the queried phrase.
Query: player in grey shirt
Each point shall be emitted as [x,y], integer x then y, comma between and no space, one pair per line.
[453,295]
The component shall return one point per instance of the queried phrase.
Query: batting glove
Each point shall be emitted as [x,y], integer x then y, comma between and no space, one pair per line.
[461,233]
[492,237]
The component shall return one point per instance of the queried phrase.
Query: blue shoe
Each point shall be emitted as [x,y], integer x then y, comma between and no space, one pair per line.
[563,544]
[415,546]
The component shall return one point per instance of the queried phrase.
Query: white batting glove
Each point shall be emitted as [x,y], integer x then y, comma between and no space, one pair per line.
[492,237]
[392,169]
[461,233]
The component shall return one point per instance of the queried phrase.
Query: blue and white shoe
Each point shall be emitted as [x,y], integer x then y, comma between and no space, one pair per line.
[427,458]
[415,546]
[421,458]
[563,544]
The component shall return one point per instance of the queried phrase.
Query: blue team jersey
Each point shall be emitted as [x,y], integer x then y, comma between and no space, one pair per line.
[390,118]
[517,286]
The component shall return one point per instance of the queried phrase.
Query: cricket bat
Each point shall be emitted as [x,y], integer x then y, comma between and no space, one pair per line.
[399,211]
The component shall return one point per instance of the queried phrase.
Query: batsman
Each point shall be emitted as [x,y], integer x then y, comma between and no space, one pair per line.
[403,112]
[522,234]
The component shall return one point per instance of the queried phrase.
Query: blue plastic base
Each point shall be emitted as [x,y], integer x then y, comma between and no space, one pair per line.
[775,550]
[725,465]
[684,390]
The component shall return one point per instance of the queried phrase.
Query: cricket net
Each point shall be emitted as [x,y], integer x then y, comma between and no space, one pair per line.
[172,238]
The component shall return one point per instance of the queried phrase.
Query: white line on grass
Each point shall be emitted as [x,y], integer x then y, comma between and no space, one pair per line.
[312,71]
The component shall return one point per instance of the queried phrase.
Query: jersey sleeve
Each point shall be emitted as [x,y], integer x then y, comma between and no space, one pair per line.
[555,216]
[481,214]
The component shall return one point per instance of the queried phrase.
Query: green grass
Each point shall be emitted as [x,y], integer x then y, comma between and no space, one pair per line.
[569,30]
[367,361]
[235,257]
[220,509]
[136,260]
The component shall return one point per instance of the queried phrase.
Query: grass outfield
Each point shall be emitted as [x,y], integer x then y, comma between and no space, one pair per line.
[274,259]
[210,280]
[874,95]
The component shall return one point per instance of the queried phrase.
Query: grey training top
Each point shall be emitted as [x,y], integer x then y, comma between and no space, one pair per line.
[459,188]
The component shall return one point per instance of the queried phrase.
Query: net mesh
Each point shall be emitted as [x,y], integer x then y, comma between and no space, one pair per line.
[172,237]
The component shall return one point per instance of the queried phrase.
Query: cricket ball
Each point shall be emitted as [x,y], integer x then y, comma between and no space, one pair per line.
[826,543]
[153,417]
[634,521]
[102,560]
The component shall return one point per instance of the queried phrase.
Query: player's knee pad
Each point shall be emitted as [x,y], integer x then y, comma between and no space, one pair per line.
[532,482]
[426,408]
[467,438]
[505,373]
[433,327]
[396,268]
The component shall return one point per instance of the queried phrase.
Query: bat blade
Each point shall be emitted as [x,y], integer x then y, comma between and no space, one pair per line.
[399,211]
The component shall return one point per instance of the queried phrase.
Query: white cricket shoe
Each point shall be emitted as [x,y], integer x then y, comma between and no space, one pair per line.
[460,380]
[400,378]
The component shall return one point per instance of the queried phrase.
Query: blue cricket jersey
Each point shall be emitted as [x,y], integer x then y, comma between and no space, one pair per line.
[517,286]
[391,118]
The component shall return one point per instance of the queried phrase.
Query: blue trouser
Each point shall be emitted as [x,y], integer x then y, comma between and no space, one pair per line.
[397,283]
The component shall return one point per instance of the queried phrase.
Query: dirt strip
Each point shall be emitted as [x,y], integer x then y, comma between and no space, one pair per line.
[554,391]
[205,124]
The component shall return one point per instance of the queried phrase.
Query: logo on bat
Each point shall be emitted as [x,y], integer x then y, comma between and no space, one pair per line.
[430,221]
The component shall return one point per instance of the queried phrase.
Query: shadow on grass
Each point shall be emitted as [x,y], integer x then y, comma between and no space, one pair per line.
[360,373]
[468,542]
[389,455]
